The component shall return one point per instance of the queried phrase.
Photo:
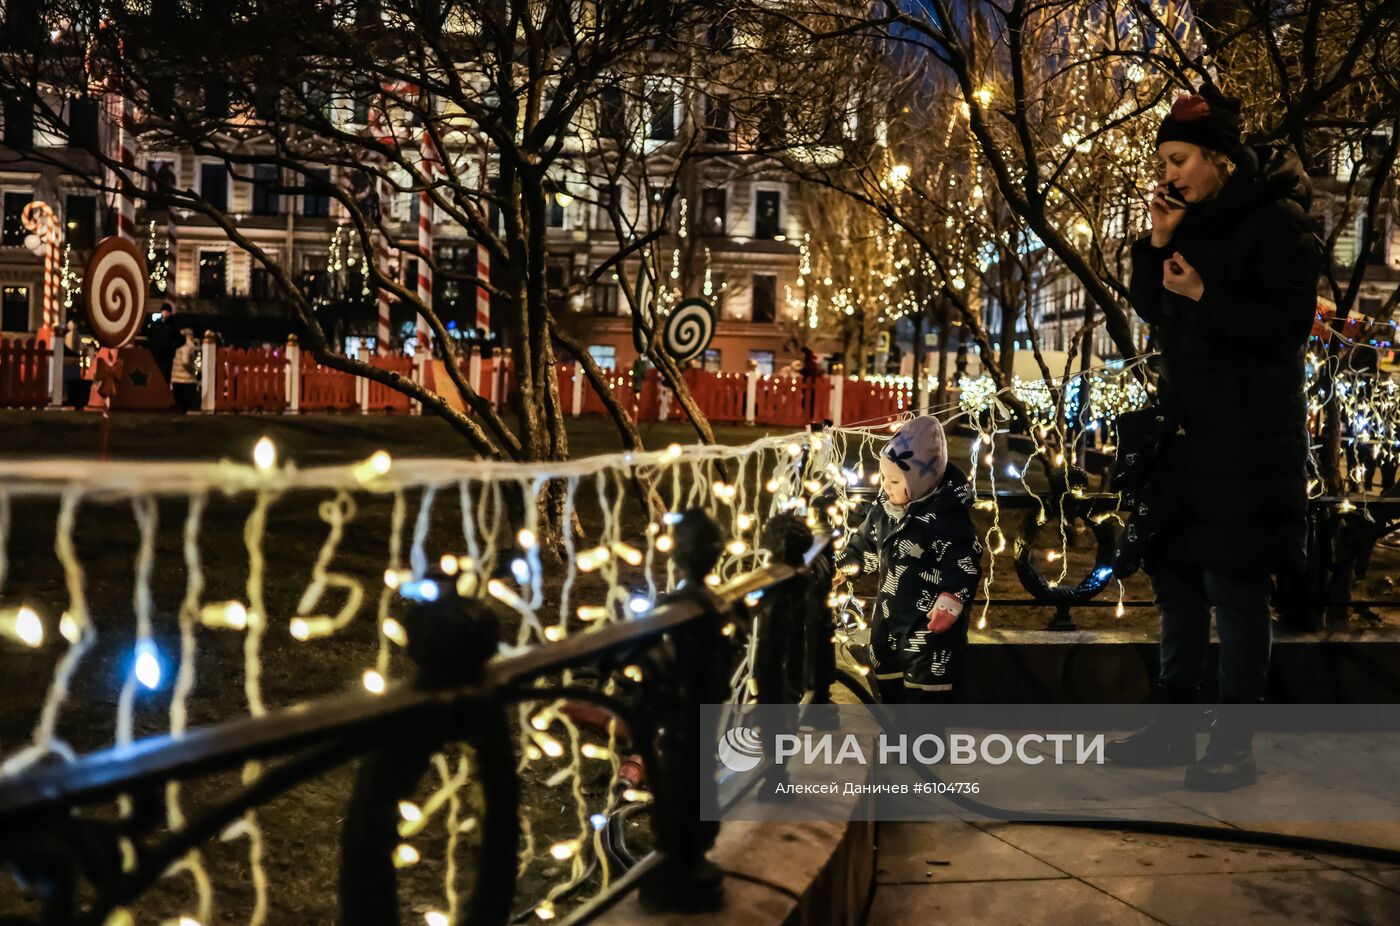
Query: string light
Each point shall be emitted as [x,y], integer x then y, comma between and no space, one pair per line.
[265,454]
[22,625]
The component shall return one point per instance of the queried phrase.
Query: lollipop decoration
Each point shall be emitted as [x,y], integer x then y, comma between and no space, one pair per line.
[114,291]
[689,329]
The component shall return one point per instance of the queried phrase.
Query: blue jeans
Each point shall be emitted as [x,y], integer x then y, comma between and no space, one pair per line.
[1185,597]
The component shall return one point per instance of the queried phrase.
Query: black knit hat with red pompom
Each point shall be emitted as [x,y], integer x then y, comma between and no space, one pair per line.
[1207,118]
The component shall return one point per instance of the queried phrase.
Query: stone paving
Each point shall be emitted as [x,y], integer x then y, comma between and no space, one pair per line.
[1008,873]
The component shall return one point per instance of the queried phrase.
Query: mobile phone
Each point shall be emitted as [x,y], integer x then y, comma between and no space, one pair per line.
[1173,197]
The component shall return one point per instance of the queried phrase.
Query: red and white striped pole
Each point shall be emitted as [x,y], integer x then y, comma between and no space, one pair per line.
[39,218]
[121,148]
[383,261]
[383,258]
[426,210]
[483,296]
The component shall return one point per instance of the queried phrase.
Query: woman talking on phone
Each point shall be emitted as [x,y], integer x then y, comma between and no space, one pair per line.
[1228,280]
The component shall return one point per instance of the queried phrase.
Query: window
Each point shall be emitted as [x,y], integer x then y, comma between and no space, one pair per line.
[14,308]
[611,113]
[554,211]
[216,99]
[19,124]
[213,270]
[713,205]
[765,297]
[82,123]
[767,210]
[605,298]
[771,131]
[266,200]
[213,185]
[663,115]
[21,25]
[14,230]
[711,360]
[717,120]
[262,285]
[606,197]
[80,219]
[166,175]
[316,202]
[359,111]
[763,360]
[605,355]
[556,281]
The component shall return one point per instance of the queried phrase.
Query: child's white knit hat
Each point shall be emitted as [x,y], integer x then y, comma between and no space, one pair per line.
[920,451]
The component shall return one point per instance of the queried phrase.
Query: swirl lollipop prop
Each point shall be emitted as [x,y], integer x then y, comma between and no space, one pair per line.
[689,329]
[114,291]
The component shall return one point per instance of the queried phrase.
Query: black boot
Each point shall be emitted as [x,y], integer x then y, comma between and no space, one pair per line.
[1169,740]
[1229,760]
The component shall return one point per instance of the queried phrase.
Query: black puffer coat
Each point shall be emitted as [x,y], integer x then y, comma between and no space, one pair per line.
[1232,489]
[932,549]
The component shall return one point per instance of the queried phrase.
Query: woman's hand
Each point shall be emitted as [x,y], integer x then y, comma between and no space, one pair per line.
[945,613]
[1181,278]
[1165,218]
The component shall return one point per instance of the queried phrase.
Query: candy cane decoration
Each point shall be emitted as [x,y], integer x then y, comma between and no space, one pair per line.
[39,218]
[121,149]
[432,165]
[383,259]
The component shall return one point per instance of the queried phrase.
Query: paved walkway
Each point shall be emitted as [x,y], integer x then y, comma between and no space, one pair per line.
[1012,874]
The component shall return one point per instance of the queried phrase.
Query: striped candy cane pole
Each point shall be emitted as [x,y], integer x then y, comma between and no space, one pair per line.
[39,218]
[383,261]
[431,165]
[122,149]
[382,257]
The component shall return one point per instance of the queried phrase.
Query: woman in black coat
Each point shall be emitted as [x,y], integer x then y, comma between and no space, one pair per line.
[1228,280]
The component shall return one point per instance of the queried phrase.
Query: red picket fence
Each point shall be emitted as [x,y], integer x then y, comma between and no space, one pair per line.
[252,380]
[791,402]
[324,389]
[720,395]
[864,402]
[24,373]
[381,397]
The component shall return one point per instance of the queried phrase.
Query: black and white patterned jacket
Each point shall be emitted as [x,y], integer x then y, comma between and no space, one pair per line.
[932,549]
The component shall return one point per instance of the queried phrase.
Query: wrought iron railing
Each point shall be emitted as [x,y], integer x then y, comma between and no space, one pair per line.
[681,654]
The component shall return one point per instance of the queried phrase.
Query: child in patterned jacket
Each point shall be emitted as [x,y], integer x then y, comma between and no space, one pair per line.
[918,538]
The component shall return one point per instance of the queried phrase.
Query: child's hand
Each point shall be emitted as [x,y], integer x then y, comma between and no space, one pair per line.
[945,613]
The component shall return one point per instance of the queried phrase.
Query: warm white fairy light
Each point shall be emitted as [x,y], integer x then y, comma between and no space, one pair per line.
[373,681]
[265,454]
[22,624]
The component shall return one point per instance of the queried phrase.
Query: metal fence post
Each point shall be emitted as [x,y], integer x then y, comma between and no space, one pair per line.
[692,674]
